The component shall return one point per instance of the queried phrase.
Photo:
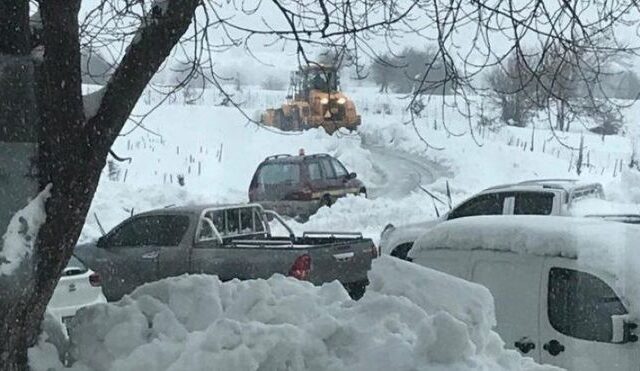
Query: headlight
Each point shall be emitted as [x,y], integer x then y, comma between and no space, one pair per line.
[342,101]
[324,100]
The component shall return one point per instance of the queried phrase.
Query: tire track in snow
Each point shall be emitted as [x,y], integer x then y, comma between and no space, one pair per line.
[401,172]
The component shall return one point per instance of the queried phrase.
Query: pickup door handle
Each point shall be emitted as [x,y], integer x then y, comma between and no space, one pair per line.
[344,257]
[150,255]
[553,347]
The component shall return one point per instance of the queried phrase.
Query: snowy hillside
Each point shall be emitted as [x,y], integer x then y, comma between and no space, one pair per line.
[410,318]
[215,151]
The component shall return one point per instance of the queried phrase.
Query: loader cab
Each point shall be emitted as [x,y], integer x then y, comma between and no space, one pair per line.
[553,304]
[318,77]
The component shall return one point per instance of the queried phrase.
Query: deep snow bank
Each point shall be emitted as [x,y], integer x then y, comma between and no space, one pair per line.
[411,318]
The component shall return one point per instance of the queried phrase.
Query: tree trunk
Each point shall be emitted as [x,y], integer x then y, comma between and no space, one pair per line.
[72,148]
[560,115]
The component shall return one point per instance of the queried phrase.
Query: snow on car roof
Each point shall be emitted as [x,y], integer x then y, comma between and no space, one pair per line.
[564,184]
[530,234]
[606,246]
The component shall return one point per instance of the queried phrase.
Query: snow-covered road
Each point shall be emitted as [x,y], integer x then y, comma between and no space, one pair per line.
[401,173]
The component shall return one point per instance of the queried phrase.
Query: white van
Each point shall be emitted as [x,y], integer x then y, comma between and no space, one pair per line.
[566,290]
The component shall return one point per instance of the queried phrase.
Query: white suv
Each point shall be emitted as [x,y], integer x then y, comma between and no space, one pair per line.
[532,197]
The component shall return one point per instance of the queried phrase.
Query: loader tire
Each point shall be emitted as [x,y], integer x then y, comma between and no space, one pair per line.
[279,119]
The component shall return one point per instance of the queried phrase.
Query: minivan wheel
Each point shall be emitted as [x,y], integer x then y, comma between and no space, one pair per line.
[363,192]
[326,201]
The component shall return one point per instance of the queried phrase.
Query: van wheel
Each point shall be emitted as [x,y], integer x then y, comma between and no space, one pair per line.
[402,251]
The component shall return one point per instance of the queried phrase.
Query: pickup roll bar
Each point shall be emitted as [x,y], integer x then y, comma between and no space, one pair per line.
[277,216]
[354,235]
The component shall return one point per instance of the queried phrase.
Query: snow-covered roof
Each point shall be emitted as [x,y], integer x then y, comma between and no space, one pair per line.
[611,248]
[532,234]
[556,183]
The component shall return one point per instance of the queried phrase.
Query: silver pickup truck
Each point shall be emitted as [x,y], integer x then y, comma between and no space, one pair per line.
[230,241]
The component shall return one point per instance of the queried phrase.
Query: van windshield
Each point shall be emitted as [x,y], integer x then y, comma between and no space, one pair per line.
[272,174]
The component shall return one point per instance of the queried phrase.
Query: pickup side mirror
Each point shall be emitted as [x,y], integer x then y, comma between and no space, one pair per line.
[623,331]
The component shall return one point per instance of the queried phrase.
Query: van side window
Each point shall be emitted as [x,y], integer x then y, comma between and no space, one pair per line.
[533,203]
[580,305]
[487,204]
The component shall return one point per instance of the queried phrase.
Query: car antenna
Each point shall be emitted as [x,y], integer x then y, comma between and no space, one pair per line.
[99,224]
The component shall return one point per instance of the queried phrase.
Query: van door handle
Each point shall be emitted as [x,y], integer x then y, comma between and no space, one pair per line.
[344,257]
[553,347]
[524,345]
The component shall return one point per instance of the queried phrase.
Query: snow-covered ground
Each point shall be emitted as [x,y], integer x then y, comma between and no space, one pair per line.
[216,152]
[411,318]
[191,323]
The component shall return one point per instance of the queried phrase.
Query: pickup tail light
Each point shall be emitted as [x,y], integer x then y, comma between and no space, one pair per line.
[95,280]
[301,267]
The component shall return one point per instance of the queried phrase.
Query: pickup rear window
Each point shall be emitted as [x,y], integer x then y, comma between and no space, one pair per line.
[533,203]
[279,173]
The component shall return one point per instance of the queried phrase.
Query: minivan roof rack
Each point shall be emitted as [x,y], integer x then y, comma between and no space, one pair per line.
[273,157]
[533,181]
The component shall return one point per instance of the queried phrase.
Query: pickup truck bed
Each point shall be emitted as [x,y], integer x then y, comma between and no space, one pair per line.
[332,258]
[197,240]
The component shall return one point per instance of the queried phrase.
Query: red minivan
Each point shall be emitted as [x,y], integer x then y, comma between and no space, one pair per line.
[298,186]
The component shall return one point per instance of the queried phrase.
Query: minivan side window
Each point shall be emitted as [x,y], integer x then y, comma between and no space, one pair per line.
[314,170]
[339,168]
[533,203]
[580,305]
[327,169]
[487,204]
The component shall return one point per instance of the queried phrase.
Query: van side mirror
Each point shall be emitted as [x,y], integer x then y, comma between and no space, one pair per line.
[623,331]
